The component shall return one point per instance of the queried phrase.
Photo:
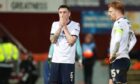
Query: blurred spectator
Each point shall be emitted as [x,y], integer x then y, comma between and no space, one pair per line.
[28,71]
[8,54]
[89,57]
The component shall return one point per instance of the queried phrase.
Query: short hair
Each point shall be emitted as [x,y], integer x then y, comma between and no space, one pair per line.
[117,5]
[64,6]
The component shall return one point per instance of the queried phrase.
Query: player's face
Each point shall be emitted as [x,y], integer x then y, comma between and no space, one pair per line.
[64,13]
[112,13]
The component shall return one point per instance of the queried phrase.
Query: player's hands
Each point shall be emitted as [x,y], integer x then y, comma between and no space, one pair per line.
[112,57]
[63,21]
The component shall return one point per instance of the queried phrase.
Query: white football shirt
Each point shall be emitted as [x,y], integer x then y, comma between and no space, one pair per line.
[63,52]
[123,34]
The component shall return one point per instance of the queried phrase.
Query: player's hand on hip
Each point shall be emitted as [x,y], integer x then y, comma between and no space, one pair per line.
[112,57]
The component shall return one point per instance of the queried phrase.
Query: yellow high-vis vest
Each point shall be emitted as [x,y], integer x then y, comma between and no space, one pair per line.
[8,52]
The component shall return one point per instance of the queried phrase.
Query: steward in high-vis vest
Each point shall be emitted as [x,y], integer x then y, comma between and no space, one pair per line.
[8,54]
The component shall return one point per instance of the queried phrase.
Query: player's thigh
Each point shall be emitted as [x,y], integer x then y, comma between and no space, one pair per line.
[110,68]
[54,73]
[119,70]
[67,73]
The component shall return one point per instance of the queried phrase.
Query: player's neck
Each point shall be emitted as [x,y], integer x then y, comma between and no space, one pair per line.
[119,16]
[68,21]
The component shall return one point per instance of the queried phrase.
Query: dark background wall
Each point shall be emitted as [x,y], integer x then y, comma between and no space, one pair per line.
[33,31]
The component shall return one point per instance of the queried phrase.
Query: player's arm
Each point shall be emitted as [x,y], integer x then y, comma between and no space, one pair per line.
[54,36]
[70,38]
[118,35]
[133,41]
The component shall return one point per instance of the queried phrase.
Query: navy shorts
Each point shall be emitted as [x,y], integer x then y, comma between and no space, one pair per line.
[61,73]
[119,69]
